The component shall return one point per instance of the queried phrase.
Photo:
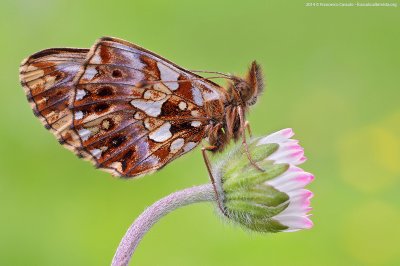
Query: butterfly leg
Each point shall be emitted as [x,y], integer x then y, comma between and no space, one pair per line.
[244,142]
[247,125]
[208,165]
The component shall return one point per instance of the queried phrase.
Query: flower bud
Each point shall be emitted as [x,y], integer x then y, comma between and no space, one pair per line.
[272,200]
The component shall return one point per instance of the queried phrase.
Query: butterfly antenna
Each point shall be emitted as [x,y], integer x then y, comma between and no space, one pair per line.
[211,72]
[152,82]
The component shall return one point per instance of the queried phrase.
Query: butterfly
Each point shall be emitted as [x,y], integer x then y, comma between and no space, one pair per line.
[130,111]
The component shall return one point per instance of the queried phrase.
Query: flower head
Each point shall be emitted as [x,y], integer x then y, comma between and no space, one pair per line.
[272,200]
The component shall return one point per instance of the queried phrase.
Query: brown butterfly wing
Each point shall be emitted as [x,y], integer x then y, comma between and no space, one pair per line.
[130,122]
[47,78]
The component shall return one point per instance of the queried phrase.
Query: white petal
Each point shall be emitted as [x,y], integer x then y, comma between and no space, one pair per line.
[288,152]
[277,137]
[299,203]
[293,179]
[294,222]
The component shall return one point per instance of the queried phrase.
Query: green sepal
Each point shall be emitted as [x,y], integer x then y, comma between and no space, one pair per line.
[266,226]
[260,152]
[263,194]
[239,159]
[247,198]
[254,177]
[237,208]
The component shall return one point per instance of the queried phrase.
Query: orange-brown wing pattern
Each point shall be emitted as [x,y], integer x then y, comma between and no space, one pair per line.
[134,111]
[47,78]
[124,108]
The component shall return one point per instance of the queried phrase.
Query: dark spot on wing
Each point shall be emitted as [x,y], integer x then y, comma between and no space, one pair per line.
[107,124]
[177,127]
[105,91]
[101,107]
[117,141]
[169,109]
[104,54]
[116,73]
[124,161]
[59,76]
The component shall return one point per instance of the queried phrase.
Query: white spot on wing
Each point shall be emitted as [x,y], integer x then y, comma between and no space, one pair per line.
[195,123]
[117,165]
[80,94]
[96,59]
[209,96]
[78,115]
[147,124]
[182,105]
[176,145]
[151,108]
[198,99]
[168,74]
[89,74]
[84,134]
[209,93]
[188,146]
[96,153]
[195,113]
[162,133]
[154,95]
[139,116]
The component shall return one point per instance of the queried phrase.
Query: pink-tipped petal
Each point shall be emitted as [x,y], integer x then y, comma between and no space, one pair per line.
[301,193]
[293,179]
[296,183]
[284,178]
[299,203]
[277,137]
[301,160]
[289,146]
[296,209]
[306,178]
[293,156]
[295,222]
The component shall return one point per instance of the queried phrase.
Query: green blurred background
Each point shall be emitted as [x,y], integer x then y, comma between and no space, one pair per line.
[333,76]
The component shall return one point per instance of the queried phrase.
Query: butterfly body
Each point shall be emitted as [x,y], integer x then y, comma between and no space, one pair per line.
[130,111]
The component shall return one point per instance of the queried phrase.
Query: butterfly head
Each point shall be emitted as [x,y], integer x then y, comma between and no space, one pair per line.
[251,86]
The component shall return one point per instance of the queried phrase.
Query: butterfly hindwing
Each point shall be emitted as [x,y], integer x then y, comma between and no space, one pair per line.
[47,78]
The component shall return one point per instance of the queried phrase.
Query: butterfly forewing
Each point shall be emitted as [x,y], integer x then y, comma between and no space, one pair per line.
[135,111]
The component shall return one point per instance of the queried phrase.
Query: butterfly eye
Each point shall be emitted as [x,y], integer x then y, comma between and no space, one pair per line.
[252,101]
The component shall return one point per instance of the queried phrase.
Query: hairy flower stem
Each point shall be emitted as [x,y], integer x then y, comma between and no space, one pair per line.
[154,213]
